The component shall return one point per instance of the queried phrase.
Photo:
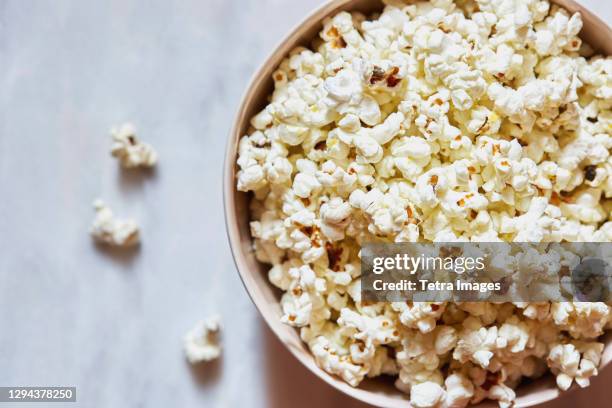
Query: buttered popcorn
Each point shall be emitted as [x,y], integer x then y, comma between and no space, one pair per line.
[434,121]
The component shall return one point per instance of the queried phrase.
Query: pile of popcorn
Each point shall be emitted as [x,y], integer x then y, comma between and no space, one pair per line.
[485,120]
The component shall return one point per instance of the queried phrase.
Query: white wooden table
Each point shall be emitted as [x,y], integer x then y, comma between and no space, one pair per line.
[107,322]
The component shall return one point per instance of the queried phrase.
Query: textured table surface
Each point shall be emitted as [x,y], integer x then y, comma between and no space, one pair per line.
[111,323]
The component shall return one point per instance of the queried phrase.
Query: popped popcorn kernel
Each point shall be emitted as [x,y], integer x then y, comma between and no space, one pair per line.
[202,343]
[129,150]
[112,231]
[426,395]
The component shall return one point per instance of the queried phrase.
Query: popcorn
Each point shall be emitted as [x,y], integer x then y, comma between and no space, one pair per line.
[329,358]
[556,33]
[419,315]
[515,335]
[278,170]
[371,331]
[436,121]
[111,231]
[476,343]
[466,87]
[426,395]
[344,86]
[335,217]
[253,178]
[303,295]
[418,360]
[368,148]
[202,342]
[574,362]
[581,319]
[503,394]
[459,391]
[305,182]
[387,130]
[130,151]
[585,207]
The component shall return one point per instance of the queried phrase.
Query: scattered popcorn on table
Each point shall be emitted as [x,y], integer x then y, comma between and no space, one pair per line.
[130,151]
[111,231]
[202,343]
[434,121]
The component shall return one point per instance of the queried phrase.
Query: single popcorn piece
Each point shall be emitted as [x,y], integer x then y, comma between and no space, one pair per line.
[459,390]
[426,395]
[202,343]
[130,151]
[111,231]
[434,121]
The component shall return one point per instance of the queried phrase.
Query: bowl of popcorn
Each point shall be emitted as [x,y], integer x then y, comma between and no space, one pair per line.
[425,121]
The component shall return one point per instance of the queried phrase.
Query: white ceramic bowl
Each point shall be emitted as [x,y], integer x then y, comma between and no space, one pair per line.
[378,391]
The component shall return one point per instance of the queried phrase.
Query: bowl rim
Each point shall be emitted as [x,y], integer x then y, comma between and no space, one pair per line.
[287,42]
